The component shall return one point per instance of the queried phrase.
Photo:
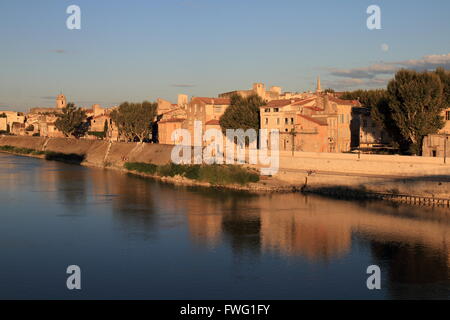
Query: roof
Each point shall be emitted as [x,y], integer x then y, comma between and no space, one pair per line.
[277,103]
[319,121]
[212,122]
[345,102]
[314,108]
[302,102]
[172,120]
[213,101]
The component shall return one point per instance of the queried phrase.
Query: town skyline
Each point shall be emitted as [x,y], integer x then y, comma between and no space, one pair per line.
[192,47]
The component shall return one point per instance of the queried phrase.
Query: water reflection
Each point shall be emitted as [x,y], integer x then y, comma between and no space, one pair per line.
[411,244]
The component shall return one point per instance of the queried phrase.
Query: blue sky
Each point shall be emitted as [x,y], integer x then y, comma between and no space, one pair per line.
[144,49]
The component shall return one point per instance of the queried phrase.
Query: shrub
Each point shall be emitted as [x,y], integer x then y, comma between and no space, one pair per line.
[214,174]
[141,167]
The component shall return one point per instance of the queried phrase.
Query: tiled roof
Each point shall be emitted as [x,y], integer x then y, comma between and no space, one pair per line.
[319,121]
[172,120]
[212,122]
[277,103]
[302,102]
[345,102]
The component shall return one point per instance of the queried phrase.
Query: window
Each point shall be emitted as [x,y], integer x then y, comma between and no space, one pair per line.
[447,116]
[292,120]
[278,121]
[286,121]
[276,109]
[267,110]
[267,120]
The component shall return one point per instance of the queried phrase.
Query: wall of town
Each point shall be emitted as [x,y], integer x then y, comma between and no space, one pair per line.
[420,176]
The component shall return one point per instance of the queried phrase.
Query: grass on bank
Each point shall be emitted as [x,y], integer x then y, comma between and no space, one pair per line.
[49,155]
[214,174]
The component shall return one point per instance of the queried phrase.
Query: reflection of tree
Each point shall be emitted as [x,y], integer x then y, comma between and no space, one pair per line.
[409,263]
[242,227]
[72,183]
[135,207]
[416,265]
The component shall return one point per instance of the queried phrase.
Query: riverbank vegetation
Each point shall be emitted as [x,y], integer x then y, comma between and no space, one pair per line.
[48,155]
[213,174]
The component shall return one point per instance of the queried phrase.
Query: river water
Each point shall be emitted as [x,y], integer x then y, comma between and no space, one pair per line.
[139,238]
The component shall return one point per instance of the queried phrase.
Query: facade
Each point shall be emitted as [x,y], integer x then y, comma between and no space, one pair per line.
[3,124]
[446,116]
[371,135]
[204,109]
[13,117]
[311,124]
[438,145]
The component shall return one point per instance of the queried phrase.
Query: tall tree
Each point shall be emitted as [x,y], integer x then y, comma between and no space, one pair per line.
[415,102]
[72,121]
[243,113]
[135,120]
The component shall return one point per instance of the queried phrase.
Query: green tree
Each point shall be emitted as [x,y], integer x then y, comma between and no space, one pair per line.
[415,103]
[135,120]
[72,121]
[243,113]
[105,127]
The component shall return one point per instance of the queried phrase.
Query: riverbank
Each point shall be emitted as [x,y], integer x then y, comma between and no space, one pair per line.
[427,180]
[232,177]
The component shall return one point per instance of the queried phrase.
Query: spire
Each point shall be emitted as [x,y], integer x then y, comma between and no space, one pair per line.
[319,88]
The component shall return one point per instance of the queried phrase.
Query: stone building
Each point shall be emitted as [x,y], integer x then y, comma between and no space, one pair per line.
[438,145]
[204,109]
[311,124]
[3,124]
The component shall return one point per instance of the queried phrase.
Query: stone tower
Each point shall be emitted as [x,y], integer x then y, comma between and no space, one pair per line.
[319,87]
[61,102]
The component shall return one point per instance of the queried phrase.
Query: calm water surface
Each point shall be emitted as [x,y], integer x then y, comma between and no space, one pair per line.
[137,238]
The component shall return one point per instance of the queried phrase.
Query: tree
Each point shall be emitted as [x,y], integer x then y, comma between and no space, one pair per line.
[105,128]
[72,121]
[415,103]
[243,113]
[135,120]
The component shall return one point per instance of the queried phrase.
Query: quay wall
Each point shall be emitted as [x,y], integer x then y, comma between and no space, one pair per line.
[428,177]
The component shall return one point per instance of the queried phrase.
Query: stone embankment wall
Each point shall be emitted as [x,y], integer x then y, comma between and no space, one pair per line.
[96,152]
[428,177]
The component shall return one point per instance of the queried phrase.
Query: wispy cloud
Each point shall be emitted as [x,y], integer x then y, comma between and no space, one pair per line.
[48,98]
[59,51]
[183,85]
[377,75]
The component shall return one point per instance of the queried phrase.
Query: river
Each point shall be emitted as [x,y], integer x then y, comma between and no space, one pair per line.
[143,239]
